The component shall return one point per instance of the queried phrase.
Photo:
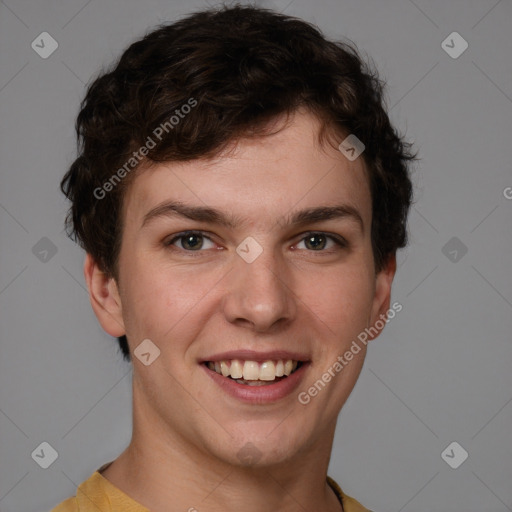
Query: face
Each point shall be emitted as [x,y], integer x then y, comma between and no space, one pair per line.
[233,267]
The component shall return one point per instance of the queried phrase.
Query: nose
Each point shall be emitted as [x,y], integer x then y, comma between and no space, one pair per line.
[259,295]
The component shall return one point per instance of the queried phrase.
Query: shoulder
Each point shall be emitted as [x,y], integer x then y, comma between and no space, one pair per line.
[349,504]
[69,505]
[90,497]
[97,494]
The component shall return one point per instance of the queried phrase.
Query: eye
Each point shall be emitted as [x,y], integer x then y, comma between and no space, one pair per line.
[321,241]
[191,241]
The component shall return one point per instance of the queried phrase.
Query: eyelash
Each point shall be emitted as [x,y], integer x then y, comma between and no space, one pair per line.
[338,240]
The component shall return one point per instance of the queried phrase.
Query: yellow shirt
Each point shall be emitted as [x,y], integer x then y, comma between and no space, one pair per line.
[97,494]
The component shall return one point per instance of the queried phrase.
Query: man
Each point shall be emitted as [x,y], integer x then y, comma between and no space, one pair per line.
[240,194]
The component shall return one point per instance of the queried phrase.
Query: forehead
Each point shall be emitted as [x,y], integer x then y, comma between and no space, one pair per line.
[258,179]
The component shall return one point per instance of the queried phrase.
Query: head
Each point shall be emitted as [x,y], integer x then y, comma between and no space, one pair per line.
[235,117]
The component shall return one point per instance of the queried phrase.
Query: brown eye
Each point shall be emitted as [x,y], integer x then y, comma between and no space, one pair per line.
[315,241]
[321,242]
[191,241]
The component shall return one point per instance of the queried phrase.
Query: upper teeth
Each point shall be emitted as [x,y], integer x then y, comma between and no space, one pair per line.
[252,370]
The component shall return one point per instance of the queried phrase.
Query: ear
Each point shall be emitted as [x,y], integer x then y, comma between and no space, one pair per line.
[382,297]
[104,297]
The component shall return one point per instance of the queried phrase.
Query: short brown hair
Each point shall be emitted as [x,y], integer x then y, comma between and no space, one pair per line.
[243,67]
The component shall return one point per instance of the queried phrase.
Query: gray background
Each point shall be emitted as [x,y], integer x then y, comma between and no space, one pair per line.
[441,370]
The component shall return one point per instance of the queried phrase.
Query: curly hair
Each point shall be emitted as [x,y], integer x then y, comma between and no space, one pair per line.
[239,68]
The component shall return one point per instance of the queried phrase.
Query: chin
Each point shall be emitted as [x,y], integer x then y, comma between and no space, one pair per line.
[262,450]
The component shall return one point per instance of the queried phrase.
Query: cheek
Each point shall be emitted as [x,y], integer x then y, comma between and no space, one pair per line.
[340,298]
[160,299]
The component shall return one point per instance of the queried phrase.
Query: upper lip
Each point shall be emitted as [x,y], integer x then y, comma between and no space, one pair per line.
[253,355]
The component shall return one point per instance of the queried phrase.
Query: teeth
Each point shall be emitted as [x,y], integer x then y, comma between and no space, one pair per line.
[236,369]
[267,371]
[253,371]
[251,382]
[224,368]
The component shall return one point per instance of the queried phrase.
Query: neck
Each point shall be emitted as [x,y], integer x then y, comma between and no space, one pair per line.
[170,491]
[160,469]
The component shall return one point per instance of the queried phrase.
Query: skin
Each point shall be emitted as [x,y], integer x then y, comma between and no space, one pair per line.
[192,304]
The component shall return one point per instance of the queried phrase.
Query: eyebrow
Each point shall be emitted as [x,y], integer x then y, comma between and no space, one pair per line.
[214,216]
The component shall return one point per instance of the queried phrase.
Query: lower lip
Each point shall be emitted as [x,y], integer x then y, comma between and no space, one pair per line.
[264,394]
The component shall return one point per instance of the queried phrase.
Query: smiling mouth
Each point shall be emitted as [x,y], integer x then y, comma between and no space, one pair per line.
[253,373]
